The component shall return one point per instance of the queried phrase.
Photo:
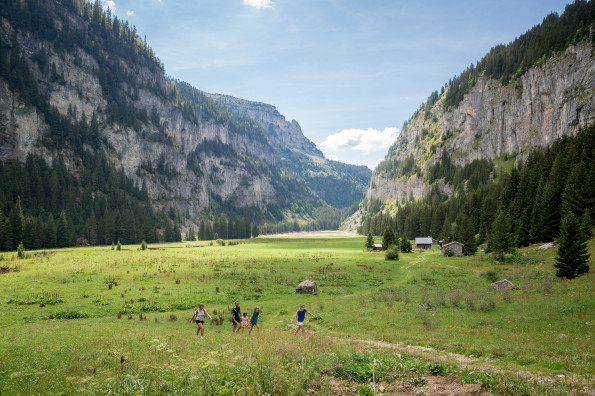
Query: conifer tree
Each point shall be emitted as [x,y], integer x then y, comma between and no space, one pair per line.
[50,232]
[369,241]
[538,215]
[500,239]
[388,238]
[572,259]
[466,235]
[405,244]
[63,237]
[190,235]
[5,234]
[17,222]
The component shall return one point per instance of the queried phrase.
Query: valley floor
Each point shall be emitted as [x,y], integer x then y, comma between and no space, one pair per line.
[96,320]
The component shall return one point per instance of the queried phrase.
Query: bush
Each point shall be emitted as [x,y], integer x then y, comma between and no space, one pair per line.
[448,253]
[220,242]
[490,275]
[392,253]
[143,245]
[119,246]
[21,250]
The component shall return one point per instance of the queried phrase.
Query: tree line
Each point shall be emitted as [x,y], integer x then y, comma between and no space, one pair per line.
[528,205]
[46,206]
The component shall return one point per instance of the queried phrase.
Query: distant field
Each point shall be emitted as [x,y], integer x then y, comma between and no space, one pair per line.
[71,316]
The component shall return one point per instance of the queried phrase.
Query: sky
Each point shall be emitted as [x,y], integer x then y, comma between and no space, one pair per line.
[351,72]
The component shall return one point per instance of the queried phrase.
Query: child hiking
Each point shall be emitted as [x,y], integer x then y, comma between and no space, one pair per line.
[199,316]
[299,319]
[254,320]
[244,322]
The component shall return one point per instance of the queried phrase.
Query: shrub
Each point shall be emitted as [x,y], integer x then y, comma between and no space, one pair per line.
[21,250]
[119,246]
[448,253]
[68,315]
[143,245]
[490,275]
[220,242]
[392,253]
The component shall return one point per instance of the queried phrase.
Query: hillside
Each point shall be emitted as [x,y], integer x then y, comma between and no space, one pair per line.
[78,83]
[519,98]
[338,184]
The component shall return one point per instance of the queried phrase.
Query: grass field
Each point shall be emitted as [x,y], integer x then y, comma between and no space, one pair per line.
[71,320]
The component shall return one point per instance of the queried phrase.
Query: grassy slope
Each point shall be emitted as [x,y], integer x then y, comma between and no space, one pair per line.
[543,326]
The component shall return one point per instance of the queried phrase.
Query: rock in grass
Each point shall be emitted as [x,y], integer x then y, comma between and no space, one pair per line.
[307,286]
[504,284]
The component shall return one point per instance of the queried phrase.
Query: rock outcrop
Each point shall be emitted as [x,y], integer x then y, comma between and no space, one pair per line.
[307,287]
[554,99]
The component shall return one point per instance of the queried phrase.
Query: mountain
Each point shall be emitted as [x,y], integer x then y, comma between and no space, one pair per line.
[339,185]
[78,83]
[518,98]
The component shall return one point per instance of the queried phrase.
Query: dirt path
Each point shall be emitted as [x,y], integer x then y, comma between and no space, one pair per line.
[483,364]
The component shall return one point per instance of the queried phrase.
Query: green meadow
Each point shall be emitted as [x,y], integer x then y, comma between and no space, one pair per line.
[97,320]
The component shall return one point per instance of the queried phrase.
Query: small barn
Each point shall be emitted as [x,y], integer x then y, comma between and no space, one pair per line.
[455,247]
[423,243]
[377,247]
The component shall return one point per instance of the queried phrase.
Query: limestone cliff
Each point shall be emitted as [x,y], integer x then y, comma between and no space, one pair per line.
[339,185]
[548,101]
[189,150]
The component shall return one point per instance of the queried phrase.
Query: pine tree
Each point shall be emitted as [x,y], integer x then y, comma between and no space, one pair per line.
[5,233]
[405,244]
[63,237]
[466,235]
[500,239]
[255,231]
[538,215]
[177,234]
[388,238]
[17,222]
[168,233]
[190,235]
[49,240]
[572,259]
[369,241]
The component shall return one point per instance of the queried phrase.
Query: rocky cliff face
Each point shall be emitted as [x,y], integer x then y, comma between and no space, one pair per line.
[245,178]
[339,185]
[554,99]
[279,131]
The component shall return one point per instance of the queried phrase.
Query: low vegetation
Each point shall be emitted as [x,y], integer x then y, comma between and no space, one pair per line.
[101,320]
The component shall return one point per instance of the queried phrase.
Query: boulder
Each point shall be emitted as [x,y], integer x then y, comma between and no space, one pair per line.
[504,284]
[307,286]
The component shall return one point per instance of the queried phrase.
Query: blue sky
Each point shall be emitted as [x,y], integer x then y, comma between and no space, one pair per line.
[349,71]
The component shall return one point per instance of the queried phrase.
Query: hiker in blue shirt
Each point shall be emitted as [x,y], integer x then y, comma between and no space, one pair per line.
[299,319]
[236,318]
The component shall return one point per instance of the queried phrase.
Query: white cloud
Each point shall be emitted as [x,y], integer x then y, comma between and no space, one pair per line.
[110,4]
[366,140]
[129,13]
[259,3]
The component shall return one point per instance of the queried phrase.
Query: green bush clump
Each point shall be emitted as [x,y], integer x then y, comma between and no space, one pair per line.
[68,315]
[33,299]
[392,253]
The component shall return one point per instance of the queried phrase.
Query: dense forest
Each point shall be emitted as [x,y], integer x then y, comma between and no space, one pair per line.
[533,198]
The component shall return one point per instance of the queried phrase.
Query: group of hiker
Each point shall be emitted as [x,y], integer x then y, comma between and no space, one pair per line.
[241,321]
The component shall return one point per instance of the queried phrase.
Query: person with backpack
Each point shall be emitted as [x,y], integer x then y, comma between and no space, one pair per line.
[199,316]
